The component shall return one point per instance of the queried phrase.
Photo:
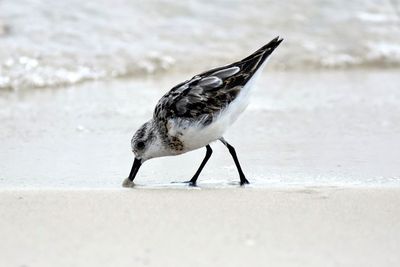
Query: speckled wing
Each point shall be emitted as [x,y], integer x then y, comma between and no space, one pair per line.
[204,96]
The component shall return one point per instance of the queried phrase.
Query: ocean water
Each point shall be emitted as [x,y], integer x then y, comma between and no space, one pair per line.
[46,43]
[326,110]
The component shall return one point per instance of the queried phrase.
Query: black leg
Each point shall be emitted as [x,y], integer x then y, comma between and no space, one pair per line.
[203,163]
[231,149]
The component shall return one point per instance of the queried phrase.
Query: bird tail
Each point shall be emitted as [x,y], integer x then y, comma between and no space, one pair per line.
[255,61]
[265,51]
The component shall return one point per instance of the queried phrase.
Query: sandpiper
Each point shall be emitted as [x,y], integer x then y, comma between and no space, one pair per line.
[198,111]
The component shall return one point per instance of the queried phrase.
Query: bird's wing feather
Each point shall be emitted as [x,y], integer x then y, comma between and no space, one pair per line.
[207,94]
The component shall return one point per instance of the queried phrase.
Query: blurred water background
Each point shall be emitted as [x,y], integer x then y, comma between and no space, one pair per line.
[77,78]
[45,43]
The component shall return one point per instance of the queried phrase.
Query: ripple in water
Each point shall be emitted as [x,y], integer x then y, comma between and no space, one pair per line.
[56,43]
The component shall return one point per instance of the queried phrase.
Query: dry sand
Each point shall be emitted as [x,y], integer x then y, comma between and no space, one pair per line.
[219,227]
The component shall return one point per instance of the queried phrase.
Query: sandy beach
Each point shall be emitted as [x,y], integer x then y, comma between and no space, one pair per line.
[301,128]
[319,142]
[209,227]
[324,169]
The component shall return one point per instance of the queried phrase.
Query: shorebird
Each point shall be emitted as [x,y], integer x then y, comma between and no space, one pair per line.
[197,112]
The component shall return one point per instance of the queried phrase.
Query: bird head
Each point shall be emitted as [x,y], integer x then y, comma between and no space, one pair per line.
[146,144]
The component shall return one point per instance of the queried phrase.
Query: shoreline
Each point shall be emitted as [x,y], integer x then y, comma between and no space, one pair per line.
[206,190]
[64,205]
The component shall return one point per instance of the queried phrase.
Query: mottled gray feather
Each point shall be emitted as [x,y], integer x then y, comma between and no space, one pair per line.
[204,96]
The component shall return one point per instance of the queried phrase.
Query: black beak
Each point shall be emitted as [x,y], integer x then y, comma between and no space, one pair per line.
[135,168]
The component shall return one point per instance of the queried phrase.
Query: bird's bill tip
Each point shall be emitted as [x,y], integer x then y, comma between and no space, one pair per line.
[128,183]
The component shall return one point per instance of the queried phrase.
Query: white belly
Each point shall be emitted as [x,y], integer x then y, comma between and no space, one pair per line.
[195,136]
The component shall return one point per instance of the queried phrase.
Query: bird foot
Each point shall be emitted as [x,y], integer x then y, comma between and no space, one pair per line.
[190,183]
[244,181]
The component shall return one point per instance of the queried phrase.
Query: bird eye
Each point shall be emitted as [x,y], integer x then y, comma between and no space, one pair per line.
[140,145]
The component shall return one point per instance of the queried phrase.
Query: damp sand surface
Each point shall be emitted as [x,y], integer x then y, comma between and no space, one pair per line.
[301,129]
[320,148]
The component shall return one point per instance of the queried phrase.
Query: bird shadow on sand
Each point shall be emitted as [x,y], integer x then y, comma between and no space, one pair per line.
[187,186]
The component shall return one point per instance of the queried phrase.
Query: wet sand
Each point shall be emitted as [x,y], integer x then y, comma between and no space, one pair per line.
[209,227]
[301,128]
[321,150]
